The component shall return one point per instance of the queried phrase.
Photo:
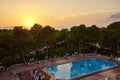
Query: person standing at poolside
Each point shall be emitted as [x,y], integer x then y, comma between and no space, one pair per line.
[107,78]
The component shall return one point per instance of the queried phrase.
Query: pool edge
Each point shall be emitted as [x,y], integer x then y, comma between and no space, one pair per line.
[83,76]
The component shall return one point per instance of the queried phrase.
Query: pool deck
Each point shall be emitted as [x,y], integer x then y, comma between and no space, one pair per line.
[111,73]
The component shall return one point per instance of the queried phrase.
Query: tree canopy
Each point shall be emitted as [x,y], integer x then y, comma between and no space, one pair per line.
[17,44]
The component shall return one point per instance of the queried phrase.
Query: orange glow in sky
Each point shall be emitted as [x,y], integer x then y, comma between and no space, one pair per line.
[58,13]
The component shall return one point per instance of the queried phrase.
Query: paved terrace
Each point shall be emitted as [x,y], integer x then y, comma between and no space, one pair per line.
[111,73]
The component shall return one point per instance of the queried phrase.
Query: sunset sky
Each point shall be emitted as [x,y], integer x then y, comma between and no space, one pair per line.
[58,13]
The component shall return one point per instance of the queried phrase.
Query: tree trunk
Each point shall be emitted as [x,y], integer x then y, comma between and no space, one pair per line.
[79,47]
[95,47]
[47,52]
[23,57]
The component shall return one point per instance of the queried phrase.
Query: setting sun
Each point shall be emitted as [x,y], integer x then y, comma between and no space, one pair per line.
[28,22]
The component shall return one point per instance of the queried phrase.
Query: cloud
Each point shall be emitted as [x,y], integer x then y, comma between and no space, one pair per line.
[116,16]
[108,11]
[100,18]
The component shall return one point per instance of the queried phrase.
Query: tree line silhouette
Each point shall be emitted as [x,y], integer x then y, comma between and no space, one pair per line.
[16,45]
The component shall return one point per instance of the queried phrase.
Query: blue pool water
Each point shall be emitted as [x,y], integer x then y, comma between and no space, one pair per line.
[78,68]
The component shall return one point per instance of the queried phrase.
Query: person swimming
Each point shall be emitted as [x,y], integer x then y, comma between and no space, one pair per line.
[75,72]
[81,66]
[90,65]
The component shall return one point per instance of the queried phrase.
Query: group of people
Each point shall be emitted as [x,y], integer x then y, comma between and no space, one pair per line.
[114,58]
[37,75]
[108,78]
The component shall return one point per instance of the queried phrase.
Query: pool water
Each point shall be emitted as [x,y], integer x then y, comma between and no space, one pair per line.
[78,68]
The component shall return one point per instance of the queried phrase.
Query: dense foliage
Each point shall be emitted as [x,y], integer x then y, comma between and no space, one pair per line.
[21,45]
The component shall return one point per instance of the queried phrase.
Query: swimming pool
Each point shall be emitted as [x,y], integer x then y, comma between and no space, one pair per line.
[78,68]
